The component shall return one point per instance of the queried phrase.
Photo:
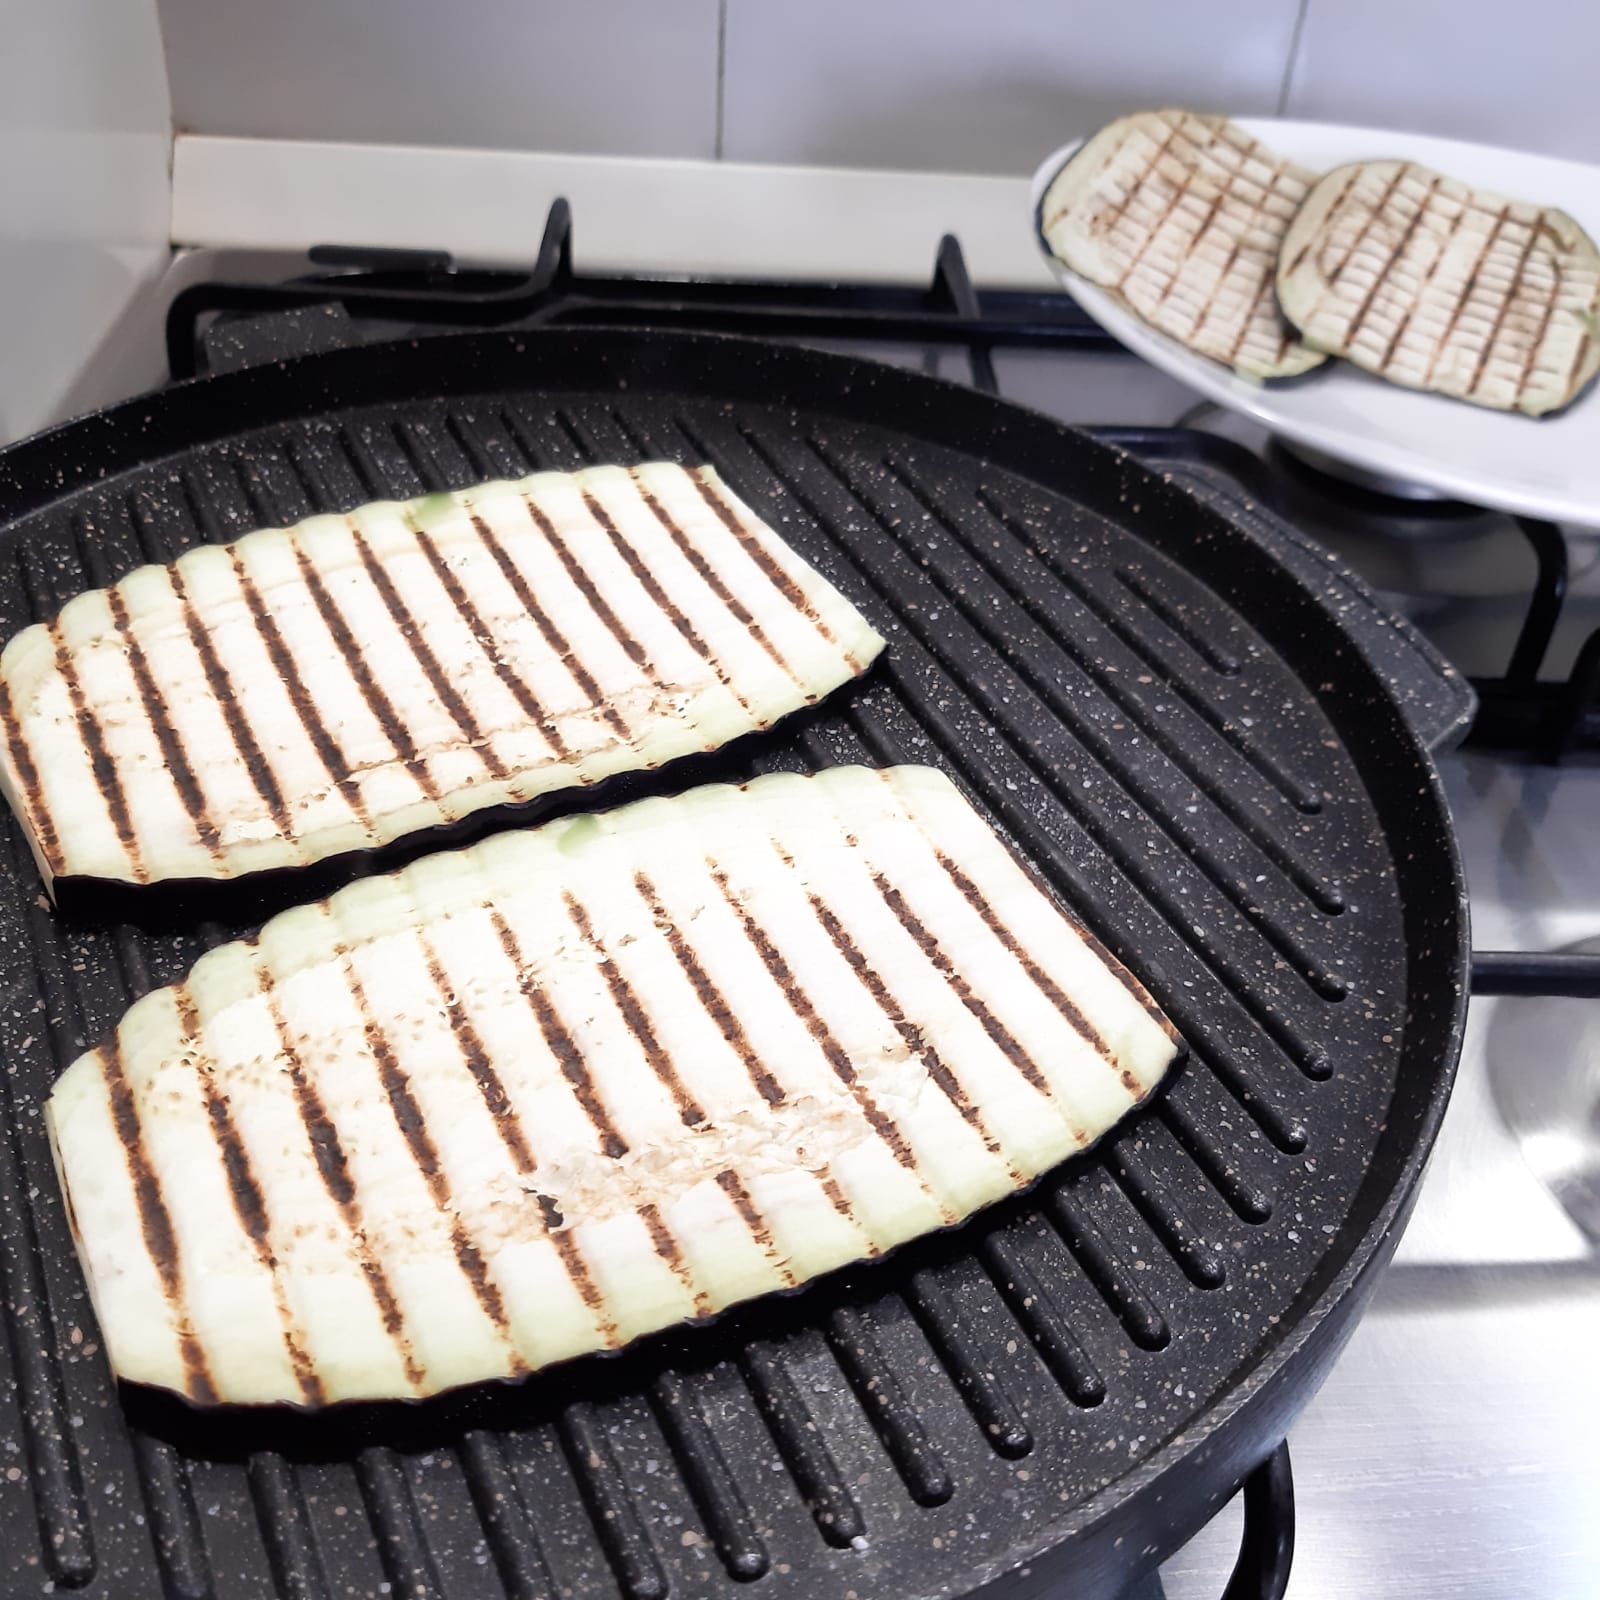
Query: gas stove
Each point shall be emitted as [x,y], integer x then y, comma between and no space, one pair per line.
[1450,1453]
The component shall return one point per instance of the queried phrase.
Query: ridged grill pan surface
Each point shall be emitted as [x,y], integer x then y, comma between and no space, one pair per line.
[1180,737]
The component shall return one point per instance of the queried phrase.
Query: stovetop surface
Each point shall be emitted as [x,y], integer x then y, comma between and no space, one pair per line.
[1452,1453]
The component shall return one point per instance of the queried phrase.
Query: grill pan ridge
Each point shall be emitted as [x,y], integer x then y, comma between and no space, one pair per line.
[1165,725]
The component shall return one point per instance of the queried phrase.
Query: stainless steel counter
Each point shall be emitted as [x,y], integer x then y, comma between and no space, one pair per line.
[1454,1453]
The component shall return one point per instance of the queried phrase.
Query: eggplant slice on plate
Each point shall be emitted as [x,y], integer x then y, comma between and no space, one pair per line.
[341,684]
[1428,282]
[538,1097]
[1180,216]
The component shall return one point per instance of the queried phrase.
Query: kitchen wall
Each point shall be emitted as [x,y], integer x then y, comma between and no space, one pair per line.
[84,140]
[927,84]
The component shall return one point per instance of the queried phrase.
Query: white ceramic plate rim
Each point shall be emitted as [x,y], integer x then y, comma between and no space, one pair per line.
[1423,453]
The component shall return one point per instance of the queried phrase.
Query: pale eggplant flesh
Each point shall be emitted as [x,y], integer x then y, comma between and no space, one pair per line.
[1179,216]
[536,1098]
[1423,280]
[355,680]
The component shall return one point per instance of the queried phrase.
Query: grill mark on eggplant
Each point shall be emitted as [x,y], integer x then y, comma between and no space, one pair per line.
[1359,316]
[333,1167]
[483,635]
[577,1270]
[1002,1036]
[690,1112]
[329,753]
[220,681]
[1265,293]
[668,1249]
[548,631]
[1536,343]
[711,999]
[1464,294]
[155,1222]
[249,1202]
[1047,223]
[1420,298]
[870,980]
[727,1022]
[413,1126]
[1592,310]
[28,783]
[1152,232]
[1507,300]
[410,629]
[107,780]
[478,1062]
[378,701]
[1041,980]
[669,609]
[1298,259]
[585,585]
[800,1003]
[1330,280]
[174,757]
[568,1056]
[713,580]
[1110,221]
[710,491]
[729,1183]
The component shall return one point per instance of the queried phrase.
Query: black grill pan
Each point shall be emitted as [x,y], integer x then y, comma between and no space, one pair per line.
[1181,734]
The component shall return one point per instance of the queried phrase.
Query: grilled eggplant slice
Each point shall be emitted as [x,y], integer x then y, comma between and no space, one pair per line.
[1433,284]
[1180,216]
[539,1097]
[343,683]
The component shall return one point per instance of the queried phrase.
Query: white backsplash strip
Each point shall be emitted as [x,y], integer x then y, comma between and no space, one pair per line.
[665,218]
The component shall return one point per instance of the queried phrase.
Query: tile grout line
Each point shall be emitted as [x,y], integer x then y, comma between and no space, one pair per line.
[1285,87]
[722,72]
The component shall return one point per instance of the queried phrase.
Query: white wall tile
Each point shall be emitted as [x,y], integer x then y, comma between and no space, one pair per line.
[84,197]
[975,87]
[1520,73]
[604,77]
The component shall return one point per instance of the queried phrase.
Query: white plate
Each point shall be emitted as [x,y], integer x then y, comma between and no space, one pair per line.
[1541,467]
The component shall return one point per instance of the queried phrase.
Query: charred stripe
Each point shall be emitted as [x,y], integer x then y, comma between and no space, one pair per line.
[661,1062]
[551,634]
[410,629]
[484,637]
[173,755]
[106,778]
[333,759]
[561,1044]
[476,1057]
[32,790]
[220,682]
[378,702]
[710,490]
[585,585]
[333,1167]
[947,1082]
[710,997]
[800,1003]
[155,1222]
[713,580]
[1002,1036]
[249,1203]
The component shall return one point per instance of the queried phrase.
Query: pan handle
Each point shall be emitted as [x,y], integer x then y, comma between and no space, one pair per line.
[1266,1551]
